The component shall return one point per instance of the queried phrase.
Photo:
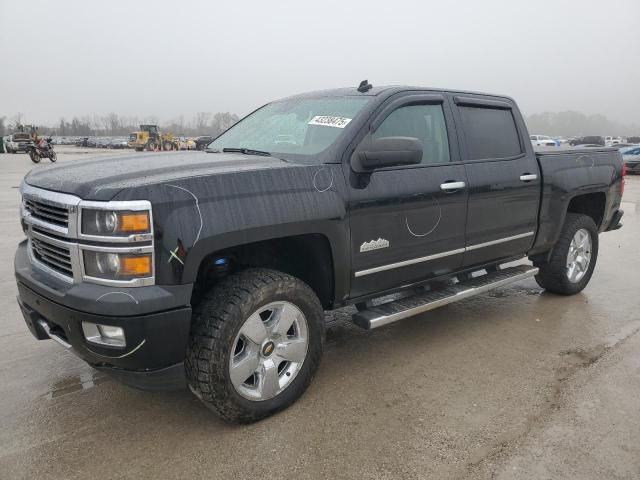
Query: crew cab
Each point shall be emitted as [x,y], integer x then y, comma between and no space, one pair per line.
[213,269]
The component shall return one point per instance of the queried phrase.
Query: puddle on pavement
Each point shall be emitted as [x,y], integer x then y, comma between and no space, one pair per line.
[76,383]
[513,290]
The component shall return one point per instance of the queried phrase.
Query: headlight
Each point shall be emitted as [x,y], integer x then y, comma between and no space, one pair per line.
[114,223]
[117,266]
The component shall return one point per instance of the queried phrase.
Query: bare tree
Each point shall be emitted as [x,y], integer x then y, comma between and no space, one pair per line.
[151,120]
[114,123]
[16,121]
[223,121]
[200,123]
[62,127]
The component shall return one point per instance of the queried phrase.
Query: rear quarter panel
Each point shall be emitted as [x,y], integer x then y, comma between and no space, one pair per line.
[567,174]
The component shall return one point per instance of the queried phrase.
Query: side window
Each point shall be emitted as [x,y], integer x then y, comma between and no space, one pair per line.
[490,133]
[424,122]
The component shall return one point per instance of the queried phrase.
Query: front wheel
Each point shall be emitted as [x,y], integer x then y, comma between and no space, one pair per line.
[52,156]
[256,343]
[33,155]
[573,257]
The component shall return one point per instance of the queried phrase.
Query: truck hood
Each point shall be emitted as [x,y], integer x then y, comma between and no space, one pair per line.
[103,178]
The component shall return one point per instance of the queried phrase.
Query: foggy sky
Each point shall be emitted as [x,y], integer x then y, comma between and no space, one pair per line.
[165,58]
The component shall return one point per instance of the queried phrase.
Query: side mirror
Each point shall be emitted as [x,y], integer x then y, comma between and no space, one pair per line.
[388,152]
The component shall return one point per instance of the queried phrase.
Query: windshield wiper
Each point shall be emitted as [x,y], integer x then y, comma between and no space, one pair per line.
[246,151]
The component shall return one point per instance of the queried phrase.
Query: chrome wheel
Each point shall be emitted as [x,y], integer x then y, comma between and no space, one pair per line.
[268,351]
[579,256]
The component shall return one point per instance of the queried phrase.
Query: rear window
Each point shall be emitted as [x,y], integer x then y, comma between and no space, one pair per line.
[490,133]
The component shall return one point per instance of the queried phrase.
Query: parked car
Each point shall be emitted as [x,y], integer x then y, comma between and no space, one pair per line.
[542,141]
[626,148]
[203,142]
[610,141]
[185,143]
[181,142]
[17,142]
[118,143]
[214,268]
[631,158]
[596,140]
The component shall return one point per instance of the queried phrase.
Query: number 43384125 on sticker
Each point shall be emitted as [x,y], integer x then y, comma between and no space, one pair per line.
[329,121]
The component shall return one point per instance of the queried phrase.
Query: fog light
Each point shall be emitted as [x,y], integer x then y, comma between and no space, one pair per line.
[103,334]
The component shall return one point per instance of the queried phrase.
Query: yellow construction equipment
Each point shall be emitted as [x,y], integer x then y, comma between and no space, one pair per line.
[150,139]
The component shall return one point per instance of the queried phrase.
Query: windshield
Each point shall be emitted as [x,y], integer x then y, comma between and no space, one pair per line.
[299,126]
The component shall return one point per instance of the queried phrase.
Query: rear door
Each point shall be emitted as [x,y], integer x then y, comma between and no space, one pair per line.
[407,223]
[503,178]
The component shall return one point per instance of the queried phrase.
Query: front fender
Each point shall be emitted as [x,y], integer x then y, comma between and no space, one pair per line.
[197,216]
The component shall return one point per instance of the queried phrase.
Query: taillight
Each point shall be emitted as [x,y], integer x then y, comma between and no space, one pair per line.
[624,173]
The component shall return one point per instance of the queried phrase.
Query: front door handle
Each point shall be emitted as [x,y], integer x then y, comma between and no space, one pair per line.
[448,186]
[528,177]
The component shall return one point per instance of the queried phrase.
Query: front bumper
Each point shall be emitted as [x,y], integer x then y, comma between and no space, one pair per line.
[156,337]
[17,147]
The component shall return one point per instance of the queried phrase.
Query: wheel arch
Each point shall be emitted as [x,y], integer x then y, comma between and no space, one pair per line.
[307,256]
[591,204]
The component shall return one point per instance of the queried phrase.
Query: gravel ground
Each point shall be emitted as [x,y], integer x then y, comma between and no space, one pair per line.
[516,383]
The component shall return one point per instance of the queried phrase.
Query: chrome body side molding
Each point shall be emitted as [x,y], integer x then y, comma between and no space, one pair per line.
[404,263]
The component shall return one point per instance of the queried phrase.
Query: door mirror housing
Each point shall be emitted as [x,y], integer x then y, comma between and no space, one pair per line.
[388,152]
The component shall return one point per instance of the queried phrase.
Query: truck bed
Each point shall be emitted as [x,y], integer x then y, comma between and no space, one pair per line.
[567,172]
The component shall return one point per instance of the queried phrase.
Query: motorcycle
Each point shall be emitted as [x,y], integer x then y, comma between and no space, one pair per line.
[42,149]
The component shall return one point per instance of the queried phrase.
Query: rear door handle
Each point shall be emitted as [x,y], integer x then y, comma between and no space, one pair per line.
[528,177]
[448,186]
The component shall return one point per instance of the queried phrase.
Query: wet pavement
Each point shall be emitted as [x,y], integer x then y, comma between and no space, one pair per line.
[516,383]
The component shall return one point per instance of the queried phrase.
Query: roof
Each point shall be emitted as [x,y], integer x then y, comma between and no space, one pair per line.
[384,89]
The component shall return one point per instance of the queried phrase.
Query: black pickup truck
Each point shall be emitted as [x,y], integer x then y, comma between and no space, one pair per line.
[213,269]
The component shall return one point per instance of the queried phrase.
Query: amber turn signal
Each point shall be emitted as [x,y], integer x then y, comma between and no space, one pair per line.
[133,222]
[135,265]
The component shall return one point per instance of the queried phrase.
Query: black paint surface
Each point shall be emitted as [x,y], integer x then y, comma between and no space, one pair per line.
[204,203]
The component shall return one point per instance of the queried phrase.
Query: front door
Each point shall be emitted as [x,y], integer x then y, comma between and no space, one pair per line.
[408,223]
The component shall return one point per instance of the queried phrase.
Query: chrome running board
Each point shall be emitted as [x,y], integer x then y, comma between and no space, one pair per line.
[391,312]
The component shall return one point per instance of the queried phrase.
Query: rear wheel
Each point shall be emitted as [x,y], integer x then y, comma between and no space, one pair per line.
[168,146]
[573,257]
[255,345]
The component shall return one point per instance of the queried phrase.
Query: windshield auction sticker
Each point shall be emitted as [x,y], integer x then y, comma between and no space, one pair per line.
[328,121]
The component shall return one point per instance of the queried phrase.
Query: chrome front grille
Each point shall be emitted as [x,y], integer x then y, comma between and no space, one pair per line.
[53,256]
[56,244]
[47,212]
